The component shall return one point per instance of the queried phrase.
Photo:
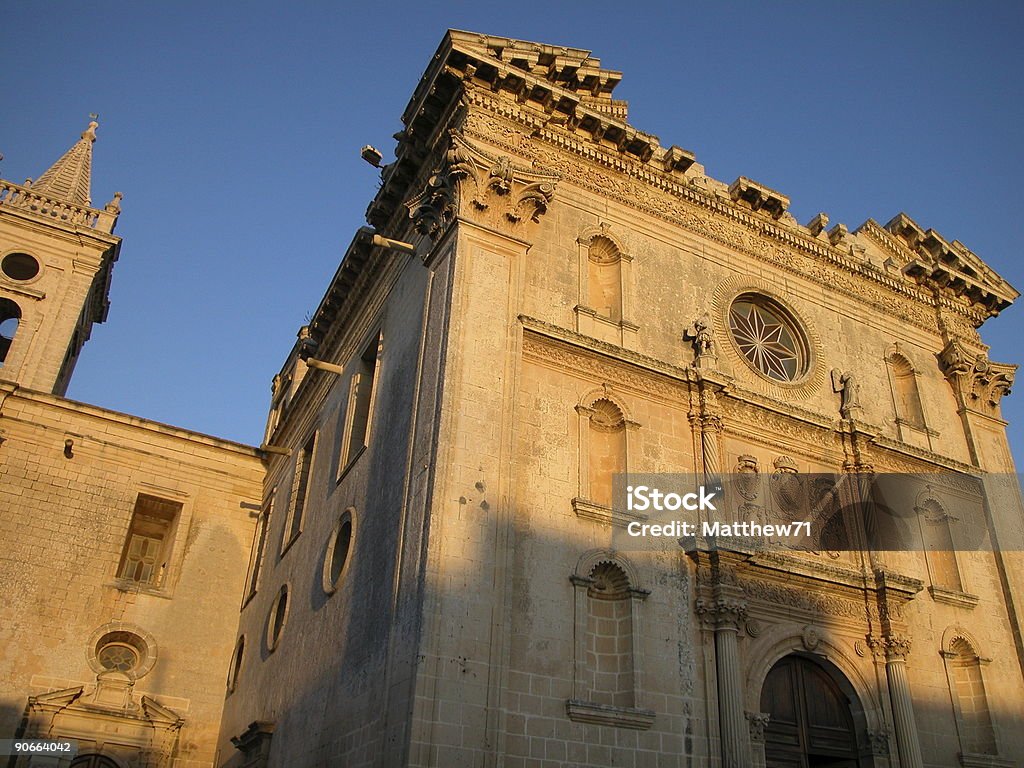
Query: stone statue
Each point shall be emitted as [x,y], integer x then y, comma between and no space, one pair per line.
[846,384]
[699,334]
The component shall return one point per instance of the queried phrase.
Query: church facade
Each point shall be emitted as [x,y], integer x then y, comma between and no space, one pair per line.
[549,299]
[433,550]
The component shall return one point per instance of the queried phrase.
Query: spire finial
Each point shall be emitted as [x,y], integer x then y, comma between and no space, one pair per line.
[90,132]
[68,178]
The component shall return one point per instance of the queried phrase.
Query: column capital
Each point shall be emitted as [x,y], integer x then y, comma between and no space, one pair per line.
[893,647]
[722,612]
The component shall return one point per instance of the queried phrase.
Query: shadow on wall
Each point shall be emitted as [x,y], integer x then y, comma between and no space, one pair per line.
[344,681]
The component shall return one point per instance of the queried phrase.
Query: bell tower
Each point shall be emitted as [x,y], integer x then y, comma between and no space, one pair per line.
[56,256]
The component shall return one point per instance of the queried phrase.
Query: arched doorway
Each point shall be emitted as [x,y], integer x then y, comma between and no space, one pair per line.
[812,718]
[93,761]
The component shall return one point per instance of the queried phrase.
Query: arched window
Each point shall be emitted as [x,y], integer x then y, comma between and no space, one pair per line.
[604,279]
[10,316]
[606,450]
[905,394]
[974,721]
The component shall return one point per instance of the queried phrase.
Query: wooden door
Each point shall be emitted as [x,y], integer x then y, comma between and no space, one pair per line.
[811,723]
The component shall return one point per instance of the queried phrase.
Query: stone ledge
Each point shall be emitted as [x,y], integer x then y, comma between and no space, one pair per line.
[608,714]
[953,597]
[971,760]
[604,515]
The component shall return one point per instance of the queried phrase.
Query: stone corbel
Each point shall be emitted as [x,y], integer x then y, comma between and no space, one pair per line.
[758,197]
[979,383]
[488,190]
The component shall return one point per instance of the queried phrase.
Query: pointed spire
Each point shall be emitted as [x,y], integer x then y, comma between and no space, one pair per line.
[68,179]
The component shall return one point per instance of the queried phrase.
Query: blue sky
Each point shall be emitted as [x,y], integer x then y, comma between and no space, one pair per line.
[233,130]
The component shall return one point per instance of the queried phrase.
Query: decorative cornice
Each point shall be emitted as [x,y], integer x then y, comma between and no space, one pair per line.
[755,234]
[573,351]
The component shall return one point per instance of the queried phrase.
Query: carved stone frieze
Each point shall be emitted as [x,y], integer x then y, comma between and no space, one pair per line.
[632,184]
[590,357]
[819,603]
[492,191]
[749,423]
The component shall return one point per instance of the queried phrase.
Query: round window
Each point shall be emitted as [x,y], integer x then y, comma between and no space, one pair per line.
[118,656]
[768,338]
[116,649]
[338,547]
[278,614]
[19,266]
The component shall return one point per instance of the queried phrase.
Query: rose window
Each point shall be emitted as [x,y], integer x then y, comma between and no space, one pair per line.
[768,338]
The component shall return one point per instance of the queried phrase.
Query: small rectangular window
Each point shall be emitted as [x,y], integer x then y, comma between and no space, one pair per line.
[360,405]
[258,544]
[147,548]
[300,488]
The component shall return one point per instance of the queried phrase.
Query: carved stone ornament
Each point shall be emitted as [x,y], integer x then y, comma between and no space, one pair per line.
[877,743]
[684,204]
[787,488]
[747,477]
[890,648]
[491,191]
[977,380]
[757,721]
[722,612]
[810,638]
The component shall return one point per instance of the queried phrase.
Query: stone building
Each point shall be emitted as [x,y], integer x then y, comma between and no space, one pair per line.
[124,541]
[439,566]
[549,298]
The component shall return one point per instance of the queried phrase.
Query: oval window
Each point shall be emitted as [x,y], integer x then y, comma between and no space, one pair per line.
[339,545]
[277,617]
[19,266]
